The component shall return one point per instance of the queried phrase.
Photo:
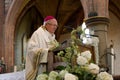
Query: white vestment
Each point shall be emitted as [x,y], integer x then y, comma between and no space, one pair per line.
[37,52]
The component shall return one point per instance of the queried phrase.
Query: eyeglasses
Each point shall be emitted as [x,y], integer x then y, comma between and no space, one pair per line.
[52,24]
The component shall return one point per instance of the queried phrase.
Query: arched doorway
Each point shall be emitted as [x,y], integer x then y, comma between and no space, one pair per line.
[25,26]
[20,23]
[25,16]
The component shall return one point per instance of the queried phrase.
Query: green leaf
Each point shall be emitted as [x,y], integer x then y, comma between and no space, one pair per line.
[60,68]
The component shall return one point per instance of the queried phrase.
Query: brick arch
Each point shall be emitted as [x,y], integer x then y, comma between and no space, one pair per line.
[10,22]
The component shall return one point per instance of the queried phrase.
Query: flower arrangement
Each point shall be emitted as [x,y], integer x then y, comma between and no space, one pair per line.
[79,64]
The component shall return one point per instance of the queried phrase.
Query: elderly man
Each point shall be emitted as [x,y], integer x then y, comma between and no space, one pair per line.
[42,40]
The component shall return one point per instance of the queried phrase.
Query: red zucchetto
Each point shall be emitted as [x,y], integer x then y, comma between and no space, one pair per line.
[48,18]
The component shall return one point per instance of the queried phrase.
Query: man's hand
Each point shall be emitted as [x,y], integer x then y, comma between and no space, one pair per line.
[54,44]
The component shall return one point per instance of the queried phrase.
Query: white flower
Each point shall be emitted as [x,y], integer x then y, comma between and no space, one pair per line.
[53,75]
[86,54]
[78,54]
[81,60]
[75,51]
[62,73]
[82,36]
[83,26]
[69,76]
[87,31]
[87,40]
[94,68]
[42,77]
[104,76]
[53,44]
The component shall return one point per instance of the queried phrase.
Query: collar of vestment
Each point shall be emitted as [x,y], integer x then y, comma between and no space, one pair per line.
[47,34]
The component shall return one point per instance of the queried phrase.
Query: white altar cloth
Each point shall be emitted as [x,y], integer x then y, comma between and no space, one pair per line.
[20,75]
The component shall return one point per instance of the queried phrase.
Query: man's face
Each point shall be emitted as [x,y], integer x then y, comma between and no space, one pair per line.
[51,25]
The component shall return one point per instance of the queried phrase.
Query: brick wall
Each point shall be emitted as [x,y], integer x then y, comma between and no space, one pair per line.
[2,18]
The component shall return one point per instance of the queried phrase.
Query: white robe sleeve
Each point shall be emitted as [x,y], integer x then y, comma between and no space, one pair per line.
[35,45]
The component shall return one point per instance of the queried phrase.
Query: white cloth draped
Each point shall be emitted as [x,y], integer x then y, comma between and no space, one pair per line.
[20,75]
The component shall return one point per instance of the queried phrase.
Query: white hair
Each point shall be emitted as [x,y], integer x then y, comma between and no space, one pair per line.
[45,22]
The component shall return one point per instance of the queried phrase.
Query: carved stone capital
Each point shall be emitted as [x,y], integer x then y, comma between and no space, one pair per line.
[97,20]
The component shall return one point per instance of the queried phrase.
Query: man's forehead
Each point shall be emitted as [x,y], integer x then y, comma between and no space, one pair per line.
[53,21]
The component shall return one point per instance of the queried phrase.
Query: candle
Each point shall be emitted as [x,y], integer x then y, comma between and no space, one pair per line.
[112,61]
[2,58]
[15,68]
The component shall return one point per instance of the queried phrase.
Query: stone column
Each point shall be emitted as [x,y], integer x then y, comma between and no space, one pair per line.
[97,18]
[99,25]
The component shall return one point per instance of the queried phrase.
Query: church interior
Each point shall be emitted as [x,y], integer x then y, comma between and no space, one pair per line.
[20,18]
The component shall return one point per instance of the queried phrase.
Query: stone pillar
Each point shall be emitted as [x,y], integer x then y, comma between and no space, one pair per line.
[99,25]
[2,18]
[97,18]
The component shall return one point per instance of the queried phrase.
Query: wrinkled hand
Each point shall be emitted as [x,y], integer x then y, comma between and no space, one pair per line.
[54,44]
[52,48]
